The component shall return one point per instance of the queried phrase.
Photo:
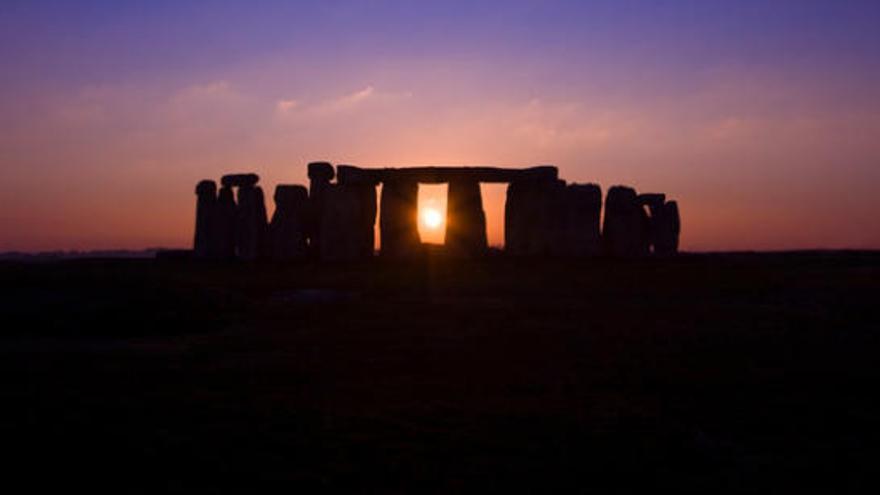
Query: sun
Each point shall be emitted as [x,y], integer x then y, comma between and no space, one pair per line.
[432,218]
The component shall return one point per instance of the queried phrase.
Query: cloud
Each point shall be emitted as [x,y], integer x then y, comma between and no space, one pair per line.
[298,110]
[284,106]
[356,97]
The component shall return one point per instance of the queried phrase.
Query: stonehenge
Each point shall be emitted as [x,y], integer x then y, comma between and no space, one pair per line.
[334,219]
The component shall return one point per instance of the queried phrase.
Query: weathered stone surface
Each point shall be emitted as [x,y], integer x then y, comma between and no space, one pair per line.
[251,226]
[625,232]
[666,229]
[288,228]
[532,217]
[239,180]
[341,223]
[580,231]
[465,219]
[226,220]
[206,209]
[398,218]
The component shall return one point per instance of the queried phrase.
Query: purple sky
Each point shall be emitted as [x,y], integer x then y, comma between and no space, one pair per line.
[761,118]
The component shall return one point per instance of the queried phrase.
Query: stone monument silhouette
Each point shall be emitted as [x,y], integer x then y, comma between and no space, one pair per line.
[334,221]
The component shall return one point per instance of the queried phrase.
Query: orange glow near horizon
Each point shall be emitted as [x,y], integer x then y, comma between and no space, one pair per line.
[432,213]
[108,121]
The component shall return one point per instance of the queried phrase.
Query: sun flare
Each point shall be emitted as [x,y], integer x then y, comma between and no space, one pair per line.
[432,218]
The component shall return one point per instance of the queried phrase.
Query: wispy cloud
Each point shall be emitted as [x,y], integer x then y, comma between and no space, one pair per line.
[284,106]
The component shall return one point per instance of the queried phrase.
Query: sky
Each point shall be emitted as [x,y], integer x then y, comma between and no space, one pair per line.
[761,118]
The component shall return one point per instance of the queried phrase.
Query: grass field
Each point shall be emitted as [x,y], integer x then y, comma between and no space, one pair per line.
[736,372]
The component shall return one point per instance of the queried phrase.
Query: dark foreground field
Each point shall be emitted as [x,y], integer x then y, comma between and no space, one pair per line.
[711,373]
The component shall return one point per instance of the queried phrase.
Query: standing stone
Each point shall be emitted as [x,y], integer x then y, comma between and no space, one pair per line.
[341,223]
[465,219]
[226,219]
[625,232]
[398,218]
[287,231]
[366,226]
[581,220]
[251,225]
[667,229]
[206,210]
[364,182]
[643,240]
[532,217]
[516,225]
[263,248]
[654,202]
[320,175]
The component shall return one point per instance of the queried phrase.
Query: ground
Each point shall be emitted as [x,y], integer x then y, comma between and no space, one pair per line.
[734,372]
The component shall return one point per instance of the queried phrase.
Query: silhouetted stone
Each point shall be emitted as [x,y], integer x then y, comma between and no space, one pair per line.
[341,223]
[206,210]
[435,175]
[625,232]
[225,223]
[239,180]
[667,228]
[363,182]
[532,217]
[366,194]
[654,202]
[518,218]
[644,234]
[321,172]
[580,235]
[465,219]
[543,216]
[349,174]
[651,200]
[320,175]
[398,218]
[251,226]
[288,229]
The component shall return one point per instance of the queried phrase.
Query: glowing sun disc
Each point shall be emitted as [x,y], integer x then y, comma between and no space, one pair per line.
[432,218]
